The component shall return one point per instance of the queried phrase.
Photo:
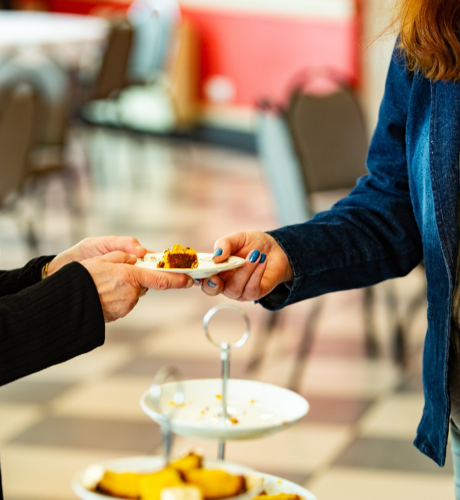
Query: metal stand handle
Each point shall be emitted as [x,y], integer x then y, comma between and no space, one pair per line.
[225,349]
[178,399]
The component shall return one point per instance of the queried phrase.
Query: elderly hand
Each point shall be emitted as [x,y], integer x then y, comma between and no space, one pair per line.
[120,284]
[94,247]
[266,266]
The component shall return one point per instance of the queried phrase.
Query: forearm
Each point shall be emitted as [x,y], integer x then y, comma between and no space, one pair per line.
[49,322]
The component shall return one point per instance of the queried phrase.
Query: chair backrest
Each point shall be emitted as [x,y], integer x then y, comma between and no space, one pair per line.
[330,138]
[113,73]
[281,166]
[17,134]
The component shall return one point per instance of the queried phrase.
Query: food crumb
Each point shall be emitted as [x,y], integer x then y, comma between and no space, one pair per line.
[234,420]
[285,422]
[252,401]
[218,396]
[172,403]
[279,481]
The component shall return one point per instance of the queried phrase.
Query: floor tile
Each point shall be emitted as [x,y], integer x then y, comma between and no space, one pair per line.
[45,473]
[360,484]
[390,454]
[116,398]
[68,432]
[33,391]
[395,416]
[16,418]
[335,410]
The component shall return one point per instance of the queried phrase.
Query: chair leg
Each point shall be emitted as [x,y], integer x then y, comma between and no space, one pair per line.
[305,345]
[370,339]
[259,350]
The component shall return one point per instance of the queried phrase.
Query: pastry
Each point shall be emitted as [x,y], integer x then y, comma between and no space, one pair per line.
[179,258]
[216,483]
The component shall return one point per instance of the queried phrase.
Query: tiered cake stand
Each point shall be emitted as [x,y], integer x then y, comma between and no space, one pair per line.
[221,409]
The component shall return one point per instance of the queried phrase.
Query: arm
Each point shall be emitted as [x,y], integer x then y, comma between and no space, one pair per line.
[18,279]
[368,237]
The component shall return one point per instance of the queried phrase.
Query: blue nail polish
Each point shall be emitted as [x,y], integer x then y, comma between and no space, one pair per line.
[254,256]
[217,253]
[211,284]
[198,282]
[262,258]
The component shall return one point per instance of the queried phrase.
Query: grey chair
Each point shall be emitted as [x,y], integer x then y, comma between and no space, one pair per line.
[317,145]
[18,114]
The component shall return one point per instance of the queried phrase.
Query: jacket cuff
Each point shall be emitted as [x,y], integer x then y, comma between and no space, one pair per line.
[31,273]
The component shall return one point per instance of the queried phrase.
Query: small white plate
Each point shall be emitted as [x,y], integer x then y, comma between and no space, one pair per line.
[206,266]
[151,464]
[260,409]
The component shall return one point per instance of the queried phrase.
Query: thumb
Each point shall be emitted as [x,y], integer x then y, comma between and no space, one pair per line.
[119,258]
[229,245]
[158,280]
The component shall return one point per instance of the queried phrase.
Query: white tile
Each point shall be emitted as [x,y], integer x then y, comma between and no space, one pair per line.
[396,416]
[15,418]
[359,484]
[36,472]
[299,449]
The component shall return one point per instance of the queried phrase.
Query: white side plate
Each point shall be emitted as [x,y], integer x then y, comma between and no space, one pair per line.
[259,409]
[206,266]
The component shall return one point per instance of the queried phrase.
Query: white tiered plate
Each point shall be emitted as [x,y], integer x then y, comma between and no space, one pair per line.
[259,409]
[151,464]
[272,485]
[206,266]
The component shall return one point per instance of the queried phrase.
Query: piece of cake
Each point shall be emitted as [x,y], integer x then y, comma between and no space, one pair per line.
[216,484]
[179,258]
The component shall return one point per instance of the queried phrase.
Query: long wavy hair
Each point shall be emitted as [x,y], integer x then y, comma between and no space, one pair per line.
[429,35]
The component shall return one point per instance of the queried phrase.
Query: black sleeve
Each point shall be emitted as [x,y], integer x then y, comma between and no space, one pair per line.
[18,279]
[48,322]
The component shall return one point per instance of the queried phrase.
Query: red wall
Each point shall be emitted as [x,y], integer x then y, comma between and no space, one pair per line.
[259,53]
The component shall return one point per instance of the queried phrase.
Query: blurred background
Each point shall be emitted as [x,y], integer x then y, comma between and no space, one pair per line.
[180,122]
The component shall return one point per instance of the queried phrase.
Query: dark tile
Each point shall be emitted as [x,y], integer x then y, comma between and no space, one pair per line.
[29,391]
[411,383]
[137,437]
[195,369]
[335,410]
[390,454]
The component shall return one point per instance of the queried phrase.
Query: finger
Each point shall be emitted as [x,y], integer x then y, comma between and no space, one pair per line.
[119,258]
[251,291]
[229,245]
[213,286]
[161,281]
[235,286]
[127,244]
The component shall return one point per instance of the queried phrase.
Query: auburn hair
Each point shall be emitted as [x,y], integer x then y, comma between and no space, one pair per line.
[429,35]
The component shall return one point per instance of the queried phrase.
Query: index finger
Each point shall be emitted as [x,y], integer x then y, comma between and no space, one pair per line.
[127,244]
[229,245]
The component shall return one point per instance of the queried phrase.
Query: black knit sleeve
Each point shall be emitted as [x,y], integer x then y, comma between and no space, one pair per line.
[48,322]
[18,279]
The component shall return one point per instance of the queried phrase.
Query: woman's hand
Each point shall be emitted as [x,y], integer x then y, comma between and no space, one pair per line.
[94,247]
[266,266]
[120,284]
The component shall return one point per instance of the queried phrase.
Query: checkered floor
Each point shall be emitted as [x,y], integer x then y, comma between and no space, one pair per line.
[355,443]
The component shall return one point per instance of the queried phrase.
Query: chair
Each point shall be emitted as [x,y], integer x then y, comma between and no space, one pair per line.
[318,145]
[17,135]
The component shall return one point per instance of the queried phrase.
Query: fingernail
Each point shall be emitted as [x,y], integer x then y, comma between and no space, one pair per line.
[139,247]
[262,258]
[211,284]
[254,256]
[190,283]
[217,253]
[198,282]
[133,256]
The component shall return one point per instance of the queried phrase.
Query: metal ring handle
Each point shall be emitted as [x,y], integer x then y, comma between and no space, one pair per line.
[156,389]
[224,345]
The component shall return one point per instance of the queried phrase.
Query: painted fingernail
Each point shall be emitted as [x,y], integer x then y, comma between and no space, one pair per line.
[198,282]
[217,253]
[254,256]
[211,284]
[262,258]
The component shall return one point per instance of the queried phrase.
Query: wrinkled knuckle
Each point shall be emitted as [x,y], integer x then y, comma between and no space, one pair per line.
[162,283]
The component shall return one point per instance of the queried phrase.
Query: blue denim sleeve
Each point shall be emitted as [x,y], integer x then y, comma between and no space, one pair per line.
[371,235]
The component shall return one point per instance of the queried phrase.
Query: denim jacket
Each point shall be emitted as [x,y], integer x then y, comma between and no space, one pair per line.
[404,210]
